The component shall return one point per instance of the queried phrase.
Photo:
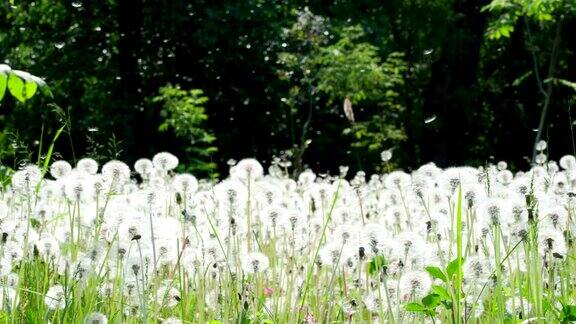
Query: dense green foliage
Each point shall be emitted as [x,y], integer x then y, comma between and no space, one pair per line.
[443,80]
[184,114]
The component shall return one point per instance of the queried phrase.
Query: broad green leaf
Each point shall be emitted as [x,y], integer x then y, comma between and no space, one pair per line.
[568,313]
[437,273]
[441,291]
[3,84]
[16,87]
[4,72]
[431,300]
[415,307]
[452,267]
[30,85]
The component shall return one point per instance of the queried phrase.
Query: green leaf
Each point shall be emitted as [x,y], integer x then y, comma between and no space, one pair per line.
[437,273]
[30,85]
[42,86]
[568,313]
[3,84]
[16,87]
[431,300]
[453,268]
[4,71]
[415,307]
[441,291]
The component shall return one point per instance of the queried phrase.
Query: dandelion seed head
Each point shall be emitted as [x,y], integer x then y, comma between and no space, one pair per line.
[60,169]
[87,165]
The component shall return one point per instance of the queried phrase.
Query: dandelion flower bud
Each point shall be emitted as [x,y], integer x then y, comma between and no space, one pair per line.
[87,165]
[165,161]
[60,169]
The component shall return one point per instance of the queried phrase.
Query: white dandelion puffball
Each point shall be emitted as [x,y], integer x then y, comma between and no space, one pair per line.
[165,161]
[55,298]
[60,169]
[254,262]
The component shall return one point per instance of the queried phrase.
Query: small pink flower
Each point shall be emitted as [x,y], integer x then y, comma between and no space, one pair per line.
[268,291]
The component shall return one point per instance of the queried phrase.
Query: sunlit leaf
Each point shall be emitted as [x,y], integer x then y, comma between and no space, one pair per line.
[453,268]
[437,273]
[415,307]
[16,87]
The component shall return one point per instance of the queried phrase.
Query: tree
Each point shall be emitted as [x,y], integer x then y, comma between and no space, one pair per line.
[330,64]
[184,114]
[549,14]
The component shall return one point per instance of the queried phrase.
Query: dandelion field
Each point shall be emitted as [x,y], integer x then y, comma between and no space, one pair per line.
[398,162]
[458,245]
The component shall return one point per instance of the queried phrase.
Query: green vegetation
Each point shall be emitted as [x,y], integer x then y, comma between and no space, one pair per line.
[479,75]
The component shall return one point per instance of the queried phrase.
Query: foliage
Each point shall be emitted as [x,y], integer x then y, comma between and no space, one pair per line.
[320,69]
[466,68]
[184,114]
[508,12]
[352,69]
[21,85]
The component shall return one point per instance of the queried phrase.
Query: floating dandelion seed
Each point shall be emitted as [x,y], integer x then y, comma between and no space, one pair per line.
[430,119]
[348,112]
